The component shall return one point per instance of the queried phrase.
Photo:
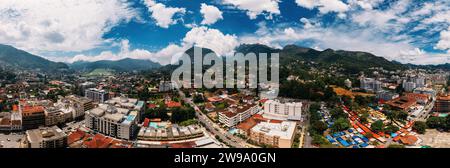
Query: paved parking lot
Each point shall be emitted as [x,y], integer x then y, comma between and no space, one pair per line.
[10,140]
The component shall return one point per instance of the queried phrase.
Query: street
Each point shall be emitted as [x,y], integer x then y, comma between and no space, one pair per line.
[212,127]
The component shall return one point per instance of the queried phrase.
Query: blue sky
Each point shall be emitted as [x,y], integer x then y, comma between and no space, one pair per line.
[408,31]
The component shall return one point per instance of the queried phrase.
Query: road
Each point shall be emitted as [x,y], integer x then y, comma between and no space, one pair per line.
[212,127]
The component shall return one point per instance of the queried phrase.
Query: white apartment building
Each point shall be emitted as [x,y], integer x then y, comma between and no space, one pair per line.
[283,111]
[96,95]
[232,116]
[49,137]
[112,121]
[279,135]
[370,84]
[118,117]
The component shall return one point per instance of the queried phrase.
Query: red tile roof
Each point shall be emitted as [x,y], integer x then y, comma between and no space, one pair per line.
[171,104]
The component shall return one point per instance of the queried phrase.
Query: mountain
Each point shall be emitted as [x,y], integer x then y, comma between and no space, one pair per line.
[126,64]
[13,57]
[352,61]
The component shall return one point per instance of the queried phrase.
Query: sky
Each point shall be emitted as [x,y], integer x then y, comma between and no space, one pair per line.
[408,31]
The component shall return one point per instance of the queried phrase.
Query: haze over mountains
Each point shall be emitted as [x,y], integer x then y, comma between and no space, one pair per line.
[351,60]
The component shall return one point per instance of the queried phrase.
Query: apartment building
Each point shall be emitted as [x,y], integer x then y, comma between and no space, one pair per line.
[96,95]
[283,111]
[280,135]
[234,115]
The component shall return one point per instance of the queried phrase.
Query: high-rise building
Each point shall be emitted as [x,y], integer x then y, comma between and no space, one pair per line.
[283,111]
[165,86]
[118,117]
[409,86]
[96,95]
[32,116]
[370,84]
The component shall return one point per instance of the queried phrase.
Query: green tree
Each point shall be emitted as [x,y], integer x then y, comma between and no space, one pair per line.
[340,124]
[391,129]
[377,126]
[435,122]
[396,146]
[338,113]
[420,127]
[319,127]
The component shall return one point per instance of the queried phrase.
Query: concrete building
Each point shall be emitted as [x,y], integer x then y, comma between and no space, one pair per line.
[408,86]
[117,118]
[234,115]
[370,84]
[79,104]
[86,85]
[283,111]
[442,104]
[348,83]
[32,116]
[423,90]
[279,135]
[165,86]
[49,137]
[96,95]
[386,95]
[54,116]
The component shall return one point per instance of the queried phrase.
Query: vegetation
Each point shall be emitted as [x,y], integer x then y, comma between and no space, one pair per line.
[377,126]
[340,124]
[420,127]
[396,146]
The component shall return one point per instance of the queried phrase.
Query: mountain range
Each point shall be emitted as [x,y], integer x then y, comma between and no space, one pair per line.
[352,61]
[126,64]
[15,58]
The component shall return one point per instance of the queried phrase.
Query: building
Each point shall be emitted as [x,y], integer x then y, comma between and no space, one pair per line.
[348,83]
[423,90]
[370,84]
[233,116]
[279,135]
[80,105]
[409,86]
[386,95]
[442,104]
[117,118]
[32,116]
[54,116]
[96,95]
[283,111]
[165,86]
[402,103]
[86,85]
[49,137]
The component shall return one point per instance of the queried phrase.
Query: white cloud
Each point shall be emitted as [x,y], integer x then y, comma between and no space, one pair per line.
[163,15]
[345,38]
[211,14]
[444,42]
[256,7]
[63,25]
[221,44]
[324,6]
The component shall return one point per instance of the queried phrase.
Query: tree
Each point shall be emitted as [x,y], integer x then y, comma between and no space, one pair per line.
[396,146]
[391,129]
[182,114]
[364,118]
[319,140]
[377,126]
[338,113]
[319,127]
[420,127]
[340,124]
[435,122]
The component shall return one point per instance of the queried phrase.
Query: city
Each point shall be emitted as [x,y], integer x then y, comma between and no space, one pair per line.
[224,83]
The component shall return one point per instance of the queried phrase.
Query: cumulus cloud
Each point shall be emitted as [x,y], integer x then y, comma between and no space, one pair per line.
[210,38]
[221,44]
[211,14]
[256,7]
[163,15]
[345,38]
[325,6]
[444,42]
[63,25]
